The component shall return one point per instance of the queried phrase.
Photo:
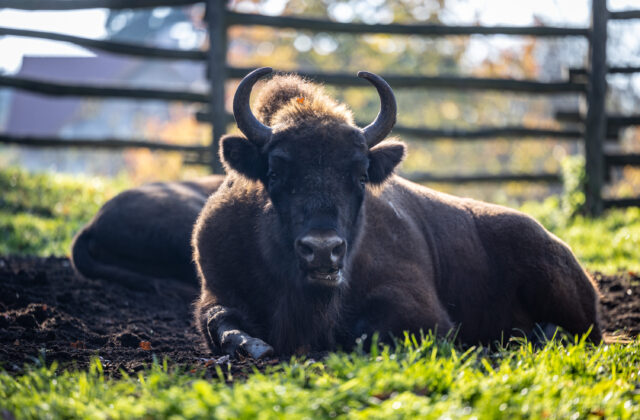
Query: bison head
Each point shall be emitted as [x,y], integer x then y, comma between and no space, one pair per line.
[315,170]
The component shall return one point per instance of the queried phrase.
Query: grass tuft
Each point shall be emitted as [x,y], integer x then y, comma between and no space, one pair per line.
[425,378]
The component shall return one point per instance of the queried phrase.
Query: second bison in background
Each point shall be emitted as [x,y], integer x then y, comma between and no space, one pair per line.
[311,241]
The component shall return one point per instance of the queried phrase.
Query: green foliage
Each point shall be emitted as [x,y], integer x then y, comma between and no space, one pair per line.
[426,379]
[573,178]
[40,213]
[608,244]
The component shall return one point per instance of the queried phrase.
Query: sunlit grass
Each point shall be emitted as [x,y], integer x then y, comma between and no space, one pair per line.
[40,213]
[424,379]
[607,244]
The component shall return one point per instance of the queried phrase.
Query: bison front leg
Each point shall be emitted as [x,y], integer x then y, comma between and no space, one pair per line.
[222,329]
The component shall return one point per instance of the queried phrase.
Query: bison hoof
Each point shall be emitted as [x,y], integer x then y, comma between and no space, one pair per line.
[237,343]
[257,349]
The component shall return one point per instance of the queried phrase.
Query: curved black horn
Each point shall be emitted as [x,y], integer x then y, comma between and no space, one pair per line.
[375,132]
[247,122]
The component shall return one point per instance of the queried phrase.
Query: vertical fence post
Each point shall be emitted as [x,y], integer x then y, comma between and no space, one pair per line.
[596,120]
[216,10]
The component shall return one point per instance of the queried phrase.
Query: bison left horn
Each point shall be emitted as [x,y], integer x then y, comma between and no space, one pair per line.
[246,121]
[375,132]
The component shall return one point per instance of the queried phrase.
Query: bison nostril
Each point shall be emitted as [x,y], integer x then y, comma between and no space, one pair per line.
[338,251]
[304,250]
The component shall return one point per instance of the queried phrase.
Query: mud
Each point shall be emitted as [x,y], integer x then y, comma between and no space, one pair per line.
[49,313]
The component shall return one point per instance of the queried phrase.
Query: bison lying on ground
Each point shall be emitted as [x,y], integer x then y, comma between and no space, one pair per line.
[143,235]
[311,241]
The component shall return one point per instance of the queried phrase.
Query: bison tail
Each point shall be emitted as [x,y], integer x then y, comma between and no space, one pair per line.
[89,265]
[81,258]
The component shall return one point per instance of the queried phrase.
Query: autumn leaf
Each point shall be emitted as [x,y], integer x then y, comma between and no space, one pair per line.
[78,345]
[145,345]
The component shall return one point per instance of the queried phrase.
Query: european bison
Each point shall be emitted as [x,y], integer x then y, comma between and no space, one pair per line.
[312,241]
[143,235]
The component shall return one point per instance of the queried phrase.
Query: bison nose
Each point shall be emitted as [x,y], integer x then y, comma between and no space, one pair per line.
[321,250]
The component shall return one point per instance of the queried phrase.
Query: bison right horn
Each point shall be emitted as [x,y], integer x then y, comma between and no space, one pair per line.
[375,132]
[246,121]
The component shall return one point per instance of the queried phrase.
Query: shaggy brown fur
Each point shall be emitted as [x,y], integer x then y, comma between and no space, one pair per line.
[416,259]
[289,99]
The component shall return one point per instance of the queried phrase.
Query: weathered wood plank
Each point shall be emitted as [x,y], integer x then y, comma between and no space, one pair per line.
[103,143]
[621,202]
[111,46]
[91,4]
[217,70]
[625,14]
[68,89]
[480,133]
[549,178]
[596,119]
[400,29]
[573,72]
[436,82]
[622,159]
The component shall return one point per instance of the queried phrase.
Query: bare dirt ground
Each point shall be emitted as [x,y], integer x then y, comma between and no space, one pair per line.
[49,313]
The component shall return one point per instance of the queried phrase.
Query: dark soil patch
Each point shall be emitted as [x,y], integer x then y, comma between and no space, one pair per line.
[49,313]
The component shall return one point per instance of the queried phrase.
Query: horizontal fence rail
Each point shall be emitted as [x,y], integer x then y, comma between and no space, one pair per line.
[234,18]
[610,70]
[612,203]
[625,14]
[111,46]
[612,119]
[92,4]
[66,89]
[549,178]
[436,82]
[107,143]
[622,159]
[480,133]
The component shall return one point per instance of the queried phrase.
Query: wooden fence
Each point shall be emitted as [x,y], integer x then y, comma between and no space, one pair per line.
[597,125]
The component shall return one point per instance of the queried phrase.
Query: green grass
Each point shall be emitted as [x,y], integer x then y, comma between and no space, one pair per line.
[607,244]
[430,379]
[40,213]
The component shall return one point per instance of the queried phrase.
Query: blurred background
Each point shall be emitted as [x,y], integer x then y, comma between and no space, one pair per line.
[546,59]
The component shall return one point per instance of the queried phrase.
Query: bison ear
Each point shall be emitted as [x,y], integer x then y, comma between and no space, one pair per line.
[384,158]
[242,156]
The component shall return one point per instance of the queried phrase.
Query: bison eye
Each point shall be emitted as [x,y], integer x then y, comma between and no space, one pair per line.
[363,180]
[273,178]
